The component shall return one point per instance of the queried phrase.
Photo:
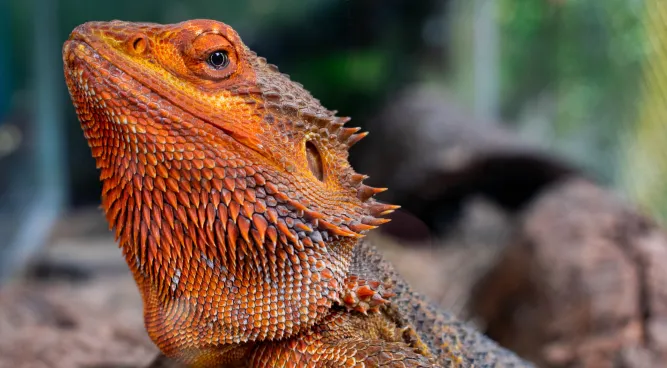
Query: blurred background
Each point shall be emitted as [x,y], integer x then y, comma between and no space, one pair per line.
[465,99]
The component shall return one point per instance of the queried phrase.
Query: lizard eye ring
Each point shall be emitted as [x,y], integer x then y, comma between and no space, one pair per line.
[218,59]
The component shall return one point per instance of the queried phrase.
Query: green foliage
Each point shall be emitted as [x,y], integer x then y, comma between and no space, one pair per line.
[584,57]
[360,71]
[239,14]
[644,168]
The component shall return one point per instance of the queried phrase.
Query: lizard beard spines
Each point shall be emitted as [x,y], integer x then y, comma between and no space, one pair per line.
[230,220]
[374,208]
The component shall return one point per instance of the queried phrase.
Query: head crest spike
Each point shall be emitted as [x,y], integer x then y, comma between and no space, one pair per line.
[336,230]
[356,138]
[382,209]
[347,133]
[365,192]
[343,120]
[374,221]
[359,227]
[358,178]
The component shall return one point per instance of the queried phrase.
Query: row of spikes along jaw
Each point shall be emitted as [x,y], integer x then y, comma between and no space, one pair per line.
[178,206]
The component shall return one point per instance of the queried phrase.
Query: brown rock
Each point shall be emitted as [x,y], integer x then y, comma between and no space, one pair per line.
[584,286]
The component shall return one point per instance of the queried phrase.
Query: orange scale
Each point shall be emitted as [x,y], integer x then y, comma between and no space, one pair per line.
[234,210]
[200,156]
[190,147]
[241,183]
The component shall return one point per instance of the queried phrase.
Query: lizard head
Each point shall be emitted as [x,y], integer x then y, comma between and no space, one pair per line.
[207,153]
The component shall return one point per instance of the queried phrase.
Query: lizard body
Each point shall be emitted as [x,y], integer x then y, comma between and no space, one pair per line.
[230,193]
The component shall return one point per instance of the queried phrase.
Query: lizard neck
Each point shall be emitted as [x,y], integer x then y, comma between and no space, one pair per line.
[209,228]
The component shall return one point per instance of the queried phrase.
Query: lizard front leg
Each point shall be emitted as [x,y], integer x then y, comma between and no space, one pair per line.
[344,339]
[349,352]
[363,295]
[319,353]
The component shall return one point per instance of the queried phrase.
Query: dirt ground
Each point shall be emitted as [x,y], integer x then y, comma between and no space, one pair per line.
[77,306]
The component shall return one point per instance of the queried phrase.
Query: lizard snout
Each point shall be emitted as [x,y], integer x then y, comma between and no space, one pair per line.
[83,31]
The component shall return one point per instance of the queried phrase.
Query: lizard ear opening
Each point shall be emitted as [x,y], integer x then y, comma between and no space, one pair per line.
[315,164]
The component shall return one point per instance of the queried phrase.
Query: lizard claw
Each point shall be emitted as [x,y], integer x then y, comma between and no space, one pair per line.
[365,296]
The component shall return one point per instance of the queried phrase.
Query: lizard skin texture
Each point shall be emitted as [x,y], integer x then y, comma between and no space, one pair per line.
[229,191]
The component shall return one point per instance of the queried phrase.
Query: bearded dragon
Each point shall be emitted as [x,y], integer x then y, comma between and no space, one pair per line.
[229,191]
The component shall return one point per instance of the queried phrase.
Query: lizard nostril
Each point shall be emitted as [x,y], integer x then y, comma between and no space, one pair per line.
[138,44]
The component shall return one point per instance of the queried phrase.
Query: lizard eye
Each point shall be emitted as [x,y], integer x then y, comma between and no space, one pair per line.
[211,57]
[218,59]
